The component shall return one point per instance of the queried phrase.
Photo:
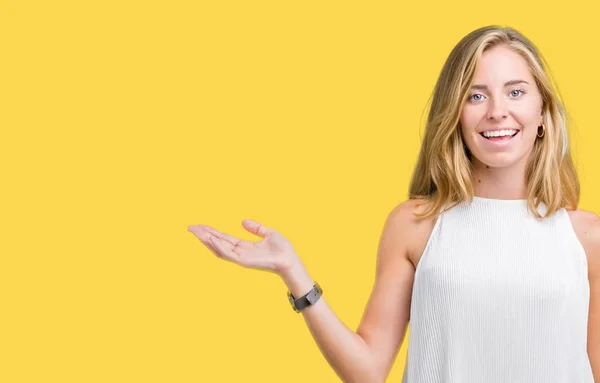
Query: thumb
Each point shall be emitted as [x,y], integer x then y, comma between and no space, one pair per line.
[256,228]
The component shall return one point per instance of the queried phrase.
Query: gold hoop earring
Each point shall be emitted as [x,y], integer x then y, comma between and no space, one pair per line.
[543,130]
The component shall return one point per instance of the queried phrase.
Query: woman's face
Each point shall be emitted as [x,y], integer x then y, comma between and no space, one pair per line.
[505,103]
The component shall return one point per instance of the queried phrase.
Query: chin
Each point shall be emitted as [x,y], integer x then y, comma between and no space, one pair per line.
[499,161]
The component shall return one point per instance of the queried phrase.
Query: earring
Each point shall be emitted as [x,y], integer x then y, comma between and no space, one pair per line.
[543,130]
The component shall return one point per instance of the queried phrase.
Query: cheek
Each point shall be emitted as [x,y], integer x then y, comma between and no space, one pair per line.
[470,119]
[527,112]
[464,120]
[474,112]
[527,118]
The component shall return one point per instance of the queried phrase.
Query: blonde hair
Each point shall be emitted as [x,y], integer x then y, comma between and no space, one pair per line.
[443,173]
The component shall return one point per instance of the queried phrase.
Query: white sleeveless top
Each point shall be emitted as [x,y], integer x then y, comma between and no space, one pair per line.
[499,297]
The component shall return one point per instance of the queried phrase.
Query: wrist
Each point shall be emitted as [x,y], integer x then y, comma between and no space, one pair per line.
[291,268]
[297,279]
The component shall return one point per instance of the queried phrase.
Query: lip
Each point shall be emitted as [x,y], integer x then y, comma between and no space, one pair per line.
[496,129]
[498,143]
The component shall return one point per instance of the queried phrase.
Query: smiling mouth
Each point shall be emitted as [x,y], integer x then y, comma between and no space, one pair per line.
[499,138]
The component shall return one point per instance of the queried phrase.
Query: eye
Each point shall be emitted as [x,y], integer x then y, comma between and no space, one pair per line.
[472,97]
[520,91]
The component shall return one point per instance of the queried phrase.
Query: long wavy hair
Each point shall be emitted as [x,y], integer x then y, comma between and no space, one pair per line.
[443,174]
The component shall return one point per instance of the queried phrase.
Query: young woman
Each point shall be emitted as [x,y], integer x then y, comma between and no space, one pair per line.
[490,259]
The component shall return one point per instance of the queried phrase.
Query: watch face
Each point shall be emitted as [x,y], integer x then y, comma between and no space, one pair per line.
[314,294]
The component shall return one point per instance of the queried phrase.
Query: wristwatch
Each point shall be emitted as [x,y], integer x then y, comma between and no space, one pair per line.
[307,299]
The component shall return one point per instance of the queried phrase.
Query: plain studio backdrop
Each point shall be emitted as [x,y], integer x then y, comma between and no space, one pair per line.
[123,122]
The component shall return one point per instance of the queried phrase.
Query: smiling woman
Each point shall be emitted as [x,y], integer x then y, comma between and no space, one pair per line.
[507,271]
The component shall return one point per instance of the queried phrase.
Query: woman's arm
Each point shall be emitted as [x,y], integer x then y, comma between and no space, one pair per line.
[367,355]
[591,243]
[587,227]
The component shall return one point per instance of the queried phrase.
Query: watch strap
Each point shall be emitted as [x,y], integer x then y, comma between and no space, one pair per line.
[308,299]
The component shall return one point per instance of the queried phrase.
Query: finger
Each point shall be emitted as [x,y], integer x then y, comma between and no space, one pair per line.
[199,232]
[256,228]
[203,236]
[236,242]
[224,249]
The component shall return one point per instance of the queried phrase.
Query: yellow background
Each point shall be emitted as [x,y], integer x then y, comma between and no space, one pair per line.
[124,122]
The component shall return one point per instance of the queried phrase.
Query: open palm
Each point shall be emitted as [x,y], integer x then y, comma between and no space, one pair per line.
[273,253]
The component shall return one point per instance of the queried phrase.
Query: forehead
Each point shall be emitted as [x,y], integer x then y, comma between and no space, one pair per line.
[500,64]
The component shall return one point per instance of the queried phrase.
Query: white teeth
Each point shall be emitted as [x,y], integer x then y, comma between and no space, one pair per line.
[500,133]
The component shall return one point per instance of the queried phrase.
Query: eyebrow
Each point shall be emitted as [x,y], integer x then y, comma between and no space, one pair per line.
[511,82]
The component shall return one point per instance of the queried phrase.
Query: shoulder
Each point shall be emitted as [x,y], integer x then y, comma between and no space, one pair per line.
[405,214]
[586,225]
[408,229]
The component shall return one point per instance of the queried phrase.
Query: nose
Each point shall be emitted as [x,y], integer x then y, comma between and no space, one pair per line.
[497,108]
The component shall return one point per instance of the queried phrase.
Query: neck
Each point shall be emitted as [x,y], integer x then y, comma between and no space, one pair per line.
[500,183]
